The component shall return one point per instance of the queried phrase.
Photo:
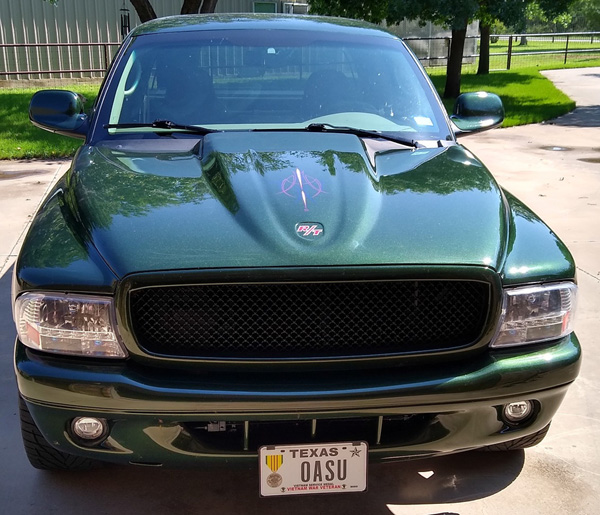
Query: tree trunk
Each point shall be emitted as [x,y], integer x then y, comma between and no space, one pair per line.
[144,10]
[454,68]
[191,6]
[484,49]
[208,6]
[523,40]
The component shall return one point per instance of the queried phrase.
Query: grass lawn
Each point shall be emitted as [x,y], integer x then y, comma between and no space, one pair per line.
[19,139]
[527,95]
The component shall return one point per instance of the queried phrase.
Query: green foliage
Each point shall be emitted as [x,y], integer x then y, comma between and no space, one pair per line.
[455,14]
[581,16]
[374,11]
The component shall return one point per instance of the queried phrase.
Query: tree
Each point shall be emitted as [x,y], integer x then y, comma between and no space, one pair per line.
[516,14]
[483,67]
[374,11]
[508,12]
[454,14]
[585,15]
[146,12]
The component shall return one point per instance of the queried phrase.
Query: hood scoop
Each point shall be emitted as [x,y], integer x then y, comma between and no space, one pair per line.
[288,199]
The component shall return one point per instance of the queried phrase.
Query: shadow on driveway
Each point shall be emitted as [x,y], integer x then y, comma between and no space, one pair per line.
[588,116]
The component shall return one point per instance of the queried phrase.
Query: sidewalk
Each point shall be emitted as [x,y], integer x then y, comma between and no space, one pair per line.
[23,185]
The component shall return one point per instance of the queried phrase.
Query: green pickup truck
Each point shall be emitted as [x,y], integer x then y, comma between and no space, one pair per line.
[271,249]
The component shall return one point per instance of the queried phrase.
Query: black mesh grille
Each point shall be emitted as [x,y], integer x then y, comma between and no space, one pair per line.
[281,320]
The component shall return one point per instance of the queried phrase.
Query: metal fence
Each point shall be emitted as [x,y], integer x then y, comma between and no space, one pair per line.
[55,60]
[21,63]
[514,50]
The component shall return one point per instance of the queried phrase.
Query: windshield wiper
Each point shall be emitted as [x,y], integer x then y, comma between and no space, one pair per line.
[162,124]
[313,127]
[362,133]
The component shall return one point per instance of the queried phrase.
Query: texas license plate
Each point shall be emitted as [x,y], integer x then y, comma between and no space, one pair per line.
[313,468]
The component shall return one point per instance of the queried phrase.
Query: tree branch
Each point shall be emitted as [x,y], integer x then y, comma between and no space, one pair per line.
[208,6]
[191,6]
[144,10]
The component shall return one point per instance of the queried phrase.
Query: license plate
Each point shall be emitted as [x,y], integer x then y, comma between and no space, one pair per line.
[313,468]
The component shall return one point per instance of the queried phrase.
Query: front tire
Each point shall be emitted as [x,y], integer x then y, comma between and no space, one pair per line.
[519,443]
[40,453]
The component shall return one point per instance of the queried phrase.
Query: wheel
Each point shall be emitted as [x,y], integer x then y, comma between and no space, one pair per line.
[519,443]
[40,453]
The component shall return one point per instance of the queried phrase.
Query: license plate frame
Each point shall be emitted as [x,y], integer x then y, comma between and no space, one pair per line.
[317,468]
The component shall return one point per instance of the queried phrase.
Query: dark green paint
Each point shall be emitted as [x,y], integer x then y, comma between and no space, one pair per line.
[141,403]
[489,375]
[235,208]
[59,111]
[258,22]
[58,256]
[232,206]
[477,111]
[535,253]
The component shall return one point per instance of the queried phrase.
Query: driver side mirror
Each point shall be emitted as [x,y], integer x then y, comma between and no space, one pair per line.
[476,112]
[59,111]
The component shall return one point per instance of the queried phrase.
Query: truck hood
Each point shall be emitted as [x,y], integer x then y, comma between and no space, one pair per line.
[285,199]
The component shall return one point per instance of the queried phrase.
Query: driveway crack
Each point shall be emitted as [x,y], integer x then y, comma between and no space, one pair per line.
[595,277]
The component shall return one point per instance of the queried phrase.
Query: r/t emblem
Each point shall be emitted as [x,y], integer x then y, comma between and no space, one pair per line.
[309,230]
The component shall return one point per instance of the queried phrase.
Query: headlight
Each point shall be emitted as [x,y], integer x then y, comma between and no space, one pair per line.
[536,314]
[79,325]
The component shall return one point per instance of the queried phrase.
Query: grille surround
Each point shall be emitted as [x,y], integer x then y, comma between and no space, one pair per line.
[303,320]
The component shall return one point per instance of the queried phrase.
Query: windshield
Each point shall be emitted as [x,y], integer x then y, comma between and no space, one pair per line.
[252,80]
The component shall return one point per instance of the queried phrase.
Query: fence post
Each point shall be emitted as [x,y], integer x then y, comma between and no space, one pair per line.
[567,49]
[509,54]
[105,46]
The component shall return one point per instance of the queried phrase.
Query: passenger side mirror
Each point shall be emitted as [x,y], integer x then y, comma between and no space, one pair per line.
[476,112]
[59,111]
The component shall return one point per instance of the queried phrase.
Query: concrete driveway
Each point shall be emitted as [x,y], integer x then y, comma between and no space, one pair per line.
[555,169]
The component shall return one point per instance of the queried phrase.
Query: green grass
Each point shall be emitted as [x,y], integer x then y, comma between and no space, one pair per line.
[19,139]
[527,95]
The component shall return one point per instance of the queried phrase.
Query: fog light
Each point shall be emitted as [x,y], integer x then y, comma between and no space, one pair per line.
[89,428]
[518,411]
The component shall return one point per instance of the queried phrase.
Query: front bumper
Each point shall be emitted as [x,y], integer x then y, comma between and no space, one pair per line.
[157,416]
